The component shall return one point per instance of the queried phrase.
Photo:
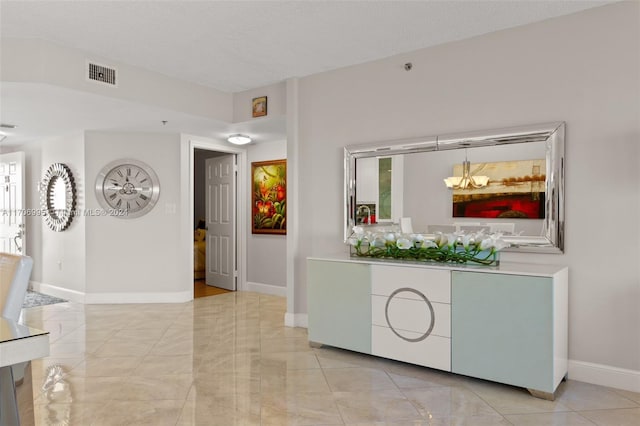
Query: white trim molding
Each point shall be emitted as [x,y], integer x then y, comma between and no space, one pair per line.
[61,292]
[293,222]
[189,144]
[274,290]
[604,375]
[111,298]
[296,320]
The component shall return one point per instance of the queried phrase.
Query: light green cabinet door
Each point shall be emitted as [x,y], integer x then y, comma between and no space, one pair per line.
[502,328]
[339,304]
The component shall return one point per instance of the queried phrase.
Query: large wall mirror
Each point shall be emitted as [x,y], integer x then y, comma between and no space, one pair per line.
[507,180]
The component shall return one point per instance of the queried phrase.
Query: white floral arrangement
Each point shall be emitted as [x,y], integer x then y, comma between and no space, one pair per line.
[459,247]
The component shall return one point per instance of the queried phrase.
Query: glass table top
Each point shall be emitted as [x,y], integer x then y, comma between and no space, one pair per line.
[11,330]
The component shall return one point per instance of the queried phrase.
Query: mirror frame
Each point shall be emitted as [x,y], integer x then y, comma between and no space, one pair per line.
[553,134]
[58,219]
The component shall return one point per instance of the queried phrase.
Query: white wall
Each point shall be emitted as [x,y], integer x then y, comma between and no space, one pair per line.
[58,257]
[63,255]
[266,254]
[137,258]
[38,61]
[583,69]
[276,102]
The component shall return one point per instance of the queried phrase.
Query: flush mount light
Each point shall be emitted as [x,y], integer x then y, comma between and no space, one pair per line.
[239,139]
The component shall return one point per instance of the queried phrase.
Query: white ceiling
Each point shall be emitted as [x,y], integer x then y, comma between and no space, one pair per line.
[238,45]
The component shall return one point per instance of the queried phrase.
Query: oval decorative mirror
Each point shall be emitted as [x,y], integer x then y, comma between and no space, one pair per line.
[58,197]
[509,181]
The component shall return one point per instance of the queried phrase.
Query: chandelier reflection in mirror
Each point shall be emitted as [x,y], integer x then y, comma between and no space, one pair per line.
[467,180]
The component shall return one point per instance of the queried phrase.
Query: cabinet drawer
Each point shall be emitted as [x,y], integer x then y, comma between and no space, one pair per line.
[433,283]
[411,315]
[434,351]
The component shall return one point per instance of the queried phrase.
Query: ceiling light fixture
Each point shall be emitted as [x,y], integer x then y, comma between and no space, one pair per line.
[239,139]
[466,181]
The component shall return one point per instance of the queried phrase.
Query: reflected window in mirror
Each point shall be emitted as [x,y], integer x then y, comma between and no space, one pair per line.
[379,189]
[384,188]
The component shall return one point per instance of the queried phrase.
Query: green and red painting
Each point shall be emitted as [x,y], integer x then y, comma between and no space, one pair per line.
[269,197]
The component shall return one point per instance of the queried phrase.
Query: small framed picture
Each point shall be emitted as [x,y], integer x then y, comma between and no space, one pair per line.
[259,106]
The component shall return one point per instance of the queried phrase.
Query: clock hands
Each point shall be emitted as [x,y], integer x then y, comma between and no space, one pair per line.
[128,188]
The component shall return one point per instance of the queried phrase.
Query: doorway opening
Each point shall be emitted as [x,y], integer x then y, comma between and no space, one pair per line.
[12,198]
[215,222]
[239,240]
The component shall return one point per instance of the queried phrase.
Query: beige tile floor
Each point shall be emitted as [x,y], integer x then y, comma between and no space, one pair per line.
[229,360]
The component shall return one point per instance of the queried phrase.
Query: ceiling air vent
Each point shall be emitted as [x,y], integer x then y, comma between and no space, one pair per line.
[101,74]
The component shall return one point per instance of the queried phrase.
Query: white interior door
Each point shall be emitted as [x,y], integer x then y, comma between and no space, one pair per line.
[220,202]
[12,213]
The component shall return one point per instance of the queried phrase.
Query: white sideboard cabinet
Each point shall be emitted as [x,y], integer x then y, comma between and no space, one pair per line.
[506,324]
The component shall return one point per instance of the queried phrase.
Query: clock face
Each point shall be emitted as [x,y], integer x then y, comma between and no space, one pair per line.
[128,188]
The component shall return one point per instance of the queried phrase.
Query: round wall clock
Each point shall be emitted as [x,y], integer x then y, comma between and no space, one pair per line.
[128,188]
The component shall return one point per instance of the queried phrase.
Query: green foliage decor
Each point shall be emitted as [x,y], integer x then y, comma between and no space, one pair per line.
[476,248]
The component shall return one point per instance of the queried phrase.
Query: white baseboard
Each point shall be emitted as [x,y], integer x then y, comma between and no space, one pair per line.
[274,290]
[111,298]
[604,375]
[61,292]
[108,298]
[296,320]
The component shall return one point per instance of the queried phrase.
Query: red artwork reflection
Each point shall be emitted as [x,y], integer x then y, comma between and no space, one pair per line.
[506,206]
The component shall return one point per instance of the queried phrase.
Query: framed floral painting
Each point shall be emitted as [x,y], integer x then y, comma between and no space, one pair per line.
[269,197]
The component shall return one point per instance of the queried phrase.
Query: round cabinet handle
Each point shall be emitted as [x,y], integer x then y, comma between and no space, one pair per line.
[433,316]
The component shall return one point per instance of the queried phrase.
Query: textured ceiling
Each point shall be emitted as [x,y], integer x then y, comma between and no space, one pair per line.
[230,46]
[238,45]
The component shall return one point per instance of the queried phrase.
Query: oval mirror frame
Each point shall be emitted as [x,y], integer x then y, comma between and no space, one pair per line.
[58,219]
[552,134]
